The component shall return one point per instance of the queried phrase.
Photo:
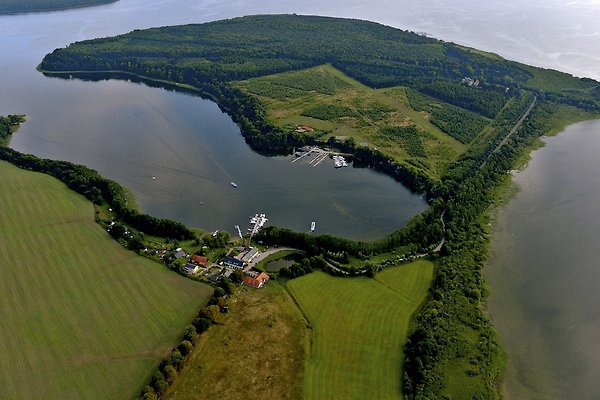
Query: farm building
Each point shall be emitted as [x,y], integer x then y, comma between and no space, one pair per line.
[256,281]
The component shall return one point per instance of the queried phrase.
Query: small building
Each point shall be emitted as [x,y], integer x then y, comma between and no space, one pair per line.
[250,255]
[199,260]
[258,281]
[233,262]
[304,128]
[191,269]
[179,252]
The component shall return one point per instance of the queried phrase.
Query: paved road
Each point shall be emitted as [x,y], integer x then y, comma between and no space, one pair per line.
[269,252]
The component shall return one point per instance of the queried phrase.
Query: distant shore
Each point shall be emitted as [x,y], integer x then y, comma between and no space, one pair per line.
[26,7]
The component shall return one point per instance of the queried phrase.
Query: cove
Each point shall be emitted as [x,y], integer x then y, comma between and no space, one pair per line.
[544,272]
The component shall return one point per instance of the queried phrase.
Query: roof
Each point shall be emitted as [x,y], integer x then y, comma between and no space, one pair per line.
[179,253]
[201,260]
[263,276]
[233,261]
[257,282]
[250,281]
[250,255]
[189,268]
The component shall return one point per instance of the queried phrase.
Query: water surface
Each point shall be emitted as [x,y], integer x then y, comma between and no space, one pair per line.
[544,272]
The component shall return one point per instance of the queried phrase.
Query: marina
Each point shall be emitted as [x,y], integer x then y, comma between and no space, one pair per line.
[256,223]
[318,155]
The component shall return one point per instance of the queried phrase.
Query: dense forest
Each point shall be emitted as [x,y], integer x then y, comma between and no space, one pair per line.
[453,337]
[24,6]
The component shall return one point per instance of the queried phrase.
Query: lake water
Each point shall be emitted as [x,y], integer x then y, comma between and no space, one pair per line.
[542,273]
[177,152]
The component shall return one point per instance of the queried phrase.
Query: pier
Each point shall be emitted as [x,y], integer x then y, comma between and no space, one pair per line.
[318,156]
[256,223]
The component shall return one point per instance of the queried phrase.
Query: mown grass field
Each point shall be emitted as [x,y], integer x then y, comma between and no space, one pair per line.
[256,352]
[80,316]
[359,330]
[327,100]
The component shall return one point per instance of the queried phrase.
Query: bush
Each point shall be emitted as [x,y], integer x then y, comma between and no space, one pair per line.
[185,347]
[170,373]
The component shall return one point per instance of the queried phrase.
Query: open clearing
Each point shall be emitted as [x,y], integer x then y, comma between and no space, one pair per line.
[257,352]
[80,316]
[359,330]
[327,100]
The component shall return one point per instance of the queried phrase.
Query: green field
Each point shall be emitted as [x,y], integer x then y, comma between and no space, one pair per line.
[359,330]
[81,317]
[327,100]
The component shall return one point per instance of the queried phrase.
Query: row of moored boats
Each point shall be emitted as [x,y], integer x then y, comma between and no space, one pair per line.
[339,161]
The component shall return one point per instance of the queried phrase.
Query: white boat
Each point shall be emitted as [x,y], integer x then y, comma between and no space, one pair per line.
[233,184]
[312,226]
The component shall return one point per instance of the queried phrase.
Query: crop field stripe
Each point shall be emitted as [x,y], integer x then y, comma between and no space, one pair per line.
[359,330]
[81,317]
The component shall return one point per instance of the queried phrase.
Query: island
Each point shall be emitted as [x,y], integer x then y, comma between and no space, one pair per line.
[443,119]
[26,6]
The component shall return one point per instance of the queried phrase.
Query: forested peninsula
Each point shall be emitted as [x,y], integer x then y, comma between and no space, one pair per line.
[25,6]
[440,117]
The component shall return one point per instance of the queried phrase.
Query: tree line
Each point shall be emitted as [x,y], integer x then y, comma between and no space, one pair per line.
[98,189]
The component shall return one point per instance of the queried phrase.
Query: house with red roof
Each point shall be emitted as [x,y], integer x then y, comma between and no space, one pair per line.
[256,280]
[199,260]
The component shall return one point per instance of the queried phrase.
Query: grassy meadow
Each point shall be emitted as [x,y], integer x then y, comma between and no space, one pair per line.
[327,100]
[81,317]
[359,330]
[256,352]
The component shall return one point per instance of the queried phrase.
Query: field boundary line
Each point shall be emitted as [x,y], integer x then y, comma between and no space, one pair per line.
[404,296]
[304,315]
